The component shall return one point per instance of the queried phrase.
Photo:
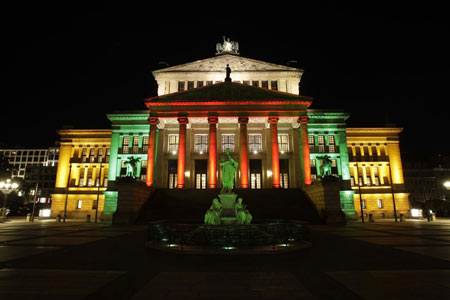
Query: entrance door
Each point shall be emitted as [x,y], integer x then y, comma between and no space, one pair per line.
[255,173]
[201,167]
[284,173]
[172,173]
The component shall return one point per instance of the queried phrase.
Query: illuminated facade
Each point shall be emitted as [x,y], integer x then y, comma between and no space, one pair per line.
[81,178]
[251,107]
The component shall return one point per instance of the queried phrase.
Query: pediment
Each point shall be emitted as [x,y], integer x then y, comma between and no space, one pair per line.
[219,63]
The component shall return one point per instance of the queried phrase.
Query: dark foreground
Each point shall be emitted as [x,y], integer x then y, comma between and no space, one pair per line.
[382,260]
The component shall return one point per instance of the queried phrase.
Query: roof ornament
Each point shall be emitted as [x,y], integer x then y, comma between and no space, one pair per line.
[227,47]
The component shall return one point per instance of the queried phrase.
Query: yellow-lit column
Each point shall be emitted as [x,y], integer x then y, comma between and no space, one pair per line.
[62,175]
[395,163]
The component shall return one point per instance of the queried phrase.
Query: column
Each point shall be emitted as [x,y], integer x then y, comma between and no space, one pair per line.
[181,150]
[212,161]
[303,120]
[243,151]
[273,120]
[151,150]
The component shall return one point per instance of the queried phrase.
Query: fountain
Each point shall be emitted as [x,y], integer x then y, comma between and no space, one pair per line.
[228,227]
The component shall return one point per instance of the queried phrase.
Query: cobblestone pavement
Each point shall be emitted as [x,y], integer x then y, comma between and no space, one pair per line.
[381,260]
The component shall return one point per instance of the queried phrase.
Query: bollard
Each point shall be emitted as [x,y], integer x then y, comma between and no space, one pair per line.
[88,218]
[371,218]
[433,217]
[58,219]
[402,218]
[28,217]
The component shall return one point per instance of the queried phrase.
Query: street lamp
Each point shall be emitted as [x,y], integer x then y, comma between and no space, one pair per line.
[447,184]
[7,187]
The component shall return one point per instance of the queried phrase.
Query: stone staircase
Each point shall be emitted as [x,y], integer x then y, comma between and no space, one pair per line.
[191,205]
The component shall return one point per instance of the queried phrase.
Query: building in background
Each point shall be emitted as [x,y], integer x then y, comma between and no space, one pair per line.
[251,107]
[37,167]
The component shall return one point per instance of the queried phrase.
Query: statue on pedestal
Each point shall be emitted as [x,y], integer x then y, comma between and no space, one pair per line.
[325,166]
[131,165]
[229,167]
[242,214]
[212,215]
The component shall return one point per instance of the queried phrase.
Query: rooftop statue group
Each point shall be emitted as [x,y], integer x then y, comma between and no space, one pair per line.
[241,213]
[227,47]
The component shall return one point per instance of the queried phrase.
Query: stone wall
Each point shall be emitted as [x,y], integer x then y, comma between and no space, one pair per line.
[132,195]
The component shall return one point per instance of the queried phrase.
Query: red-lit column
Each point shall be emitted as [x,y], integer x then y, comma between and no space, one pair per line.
[181,151]
[212,162]
[275,158]
[303,120]
[243,151]
[151,150]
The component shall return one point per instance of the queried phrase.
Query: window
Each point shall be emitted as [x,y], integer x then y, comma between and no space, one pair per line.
[135,149]
[190,85]
[84,154]
[209,83]
[228,142]
[255,143]
[380,203]
[321,141]
[126,145]
[199,84]
[265,84]
[181,86]
[92,155]
[201,143]
[274,85]
[145,144]
[331,144]
[363,204]
[100,155]
[94,204]
[79,203]
[311,143]
[255,83]
[246,82]
[283,142]
[173,143]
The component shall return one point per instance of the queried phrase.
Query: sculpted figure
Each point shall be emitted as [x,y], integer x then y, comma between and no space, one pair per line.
[242,213]
[325,165]
[229,167]
[212,215]
[131,165]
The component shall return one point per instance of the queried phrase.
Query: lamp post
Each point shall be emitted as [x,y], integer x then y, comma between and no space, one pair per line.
[7,187]
[393,194]
[361,200]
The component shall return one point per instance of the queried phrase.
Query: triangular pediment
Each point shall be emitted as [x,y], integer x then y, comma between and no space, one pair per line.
[220,62]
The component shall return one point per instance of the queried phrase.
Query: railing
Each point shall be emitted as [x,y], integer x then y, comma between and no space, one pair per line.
[323,149]
[268,233]
[368,158]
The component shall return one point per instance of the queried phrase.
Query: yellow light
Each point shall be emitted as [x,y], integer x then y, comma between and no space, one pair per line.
[187,173]
[447,184]
[269,173]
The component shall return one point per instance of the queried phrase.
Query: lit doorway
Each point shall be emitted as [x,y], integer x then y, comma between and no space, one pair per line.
[284,173]
[255,173]
[201,167]
[172,173]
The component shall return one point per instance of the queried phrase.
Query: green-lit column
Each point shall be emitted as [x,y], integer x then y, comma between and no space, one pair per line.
[343,152]
[346,194]
[115,140]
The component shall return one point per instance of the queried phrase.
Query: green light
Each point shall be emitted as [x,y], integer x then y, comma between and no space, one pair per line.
[283,245]
[164,239]
[229,248]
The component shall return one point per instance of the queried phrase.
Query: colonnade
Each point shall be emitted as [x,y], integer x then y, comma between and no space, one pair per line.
[213,120]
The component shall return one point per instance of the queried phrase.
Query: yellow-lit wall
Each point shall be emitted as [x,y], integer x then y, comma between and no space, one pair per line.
[374,155]
[73,162]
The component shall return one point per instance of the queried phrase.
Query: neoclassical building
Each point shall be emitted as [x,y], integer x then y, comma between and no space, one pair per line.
[251,107]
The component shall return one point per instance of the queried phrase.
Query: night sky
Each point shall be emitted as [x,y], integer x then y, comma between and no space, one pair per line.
[67,64]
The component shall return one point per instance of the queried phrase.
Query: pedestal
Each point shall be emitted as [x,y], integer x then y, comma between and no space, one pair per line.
[227,215]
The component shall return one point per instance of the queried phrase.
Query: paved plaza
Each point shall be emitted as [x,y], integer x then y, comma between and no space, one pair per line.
[381,260]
